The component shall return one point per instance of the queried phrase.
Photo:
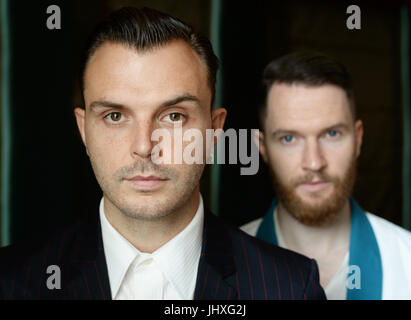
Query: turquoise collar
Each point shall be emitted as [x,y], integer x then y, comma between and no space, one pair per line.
[364,281]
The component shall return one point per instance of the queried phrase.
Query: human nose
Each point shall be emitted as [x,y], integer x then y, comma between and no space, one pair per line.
[141,139]
[313,158]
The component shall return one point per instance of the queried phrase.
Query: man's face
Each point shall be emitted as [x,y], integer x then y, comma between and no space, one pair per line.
[311,144]
[128,95]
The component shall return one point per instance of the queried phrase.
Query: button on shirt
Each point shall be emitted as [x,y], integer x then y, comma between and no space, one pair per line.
[168,273]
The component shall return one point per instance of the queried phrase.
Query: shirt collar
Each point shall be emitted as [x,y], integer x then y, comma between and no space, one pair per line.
[178,258]
[119,252]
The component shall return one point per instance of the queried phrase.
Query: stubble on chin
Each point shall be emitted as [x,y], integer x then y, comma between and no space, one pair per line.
[149,205]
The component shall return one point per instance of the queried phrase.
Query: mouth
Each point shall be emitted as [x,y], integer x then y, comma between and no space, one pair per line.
[314,186]
[147,182]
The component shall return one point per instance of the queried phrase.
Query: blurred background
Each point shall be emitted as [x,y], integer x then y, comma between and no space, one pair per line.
[46,177]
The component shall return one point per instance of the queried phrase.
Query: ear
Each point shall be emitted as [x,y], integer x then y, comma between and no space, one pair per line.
[217,120]
[258,138]
[359,132]
[80,117]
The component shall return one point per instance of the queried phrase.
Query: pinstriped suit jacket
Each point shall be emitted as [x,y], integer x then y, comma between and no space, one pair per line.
[232,266]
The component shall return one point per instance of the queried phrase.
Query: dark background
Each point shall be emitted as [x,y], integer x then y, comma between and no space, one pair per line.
[254,35]
[51,178]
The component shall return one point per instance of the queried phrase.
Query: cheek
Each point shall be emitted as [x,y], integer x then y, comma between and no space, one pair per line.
[285,164]
[194,144]
[338,163]
[340,158]
[105,150]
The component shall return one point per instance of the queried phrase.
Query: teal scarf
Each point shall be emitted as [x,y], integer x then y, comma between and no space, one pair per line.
[365,258]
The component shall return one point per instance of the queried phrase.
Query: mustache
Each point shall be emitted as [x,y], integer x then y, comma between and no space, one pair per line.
[144,167]
[311,176]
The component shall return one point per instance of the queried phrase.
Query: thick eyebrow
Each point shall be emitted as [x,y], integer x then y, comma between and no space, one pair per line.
[278,132]
[181,98]
[105,104]
[167,103]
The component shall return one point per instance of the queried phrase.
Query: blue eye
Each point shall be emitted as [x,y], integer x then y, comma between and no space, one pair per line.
[333,133]
[288,139]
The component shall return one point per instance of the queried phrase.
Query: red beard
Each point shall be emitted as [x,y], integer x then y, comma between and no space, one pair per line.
[323,212]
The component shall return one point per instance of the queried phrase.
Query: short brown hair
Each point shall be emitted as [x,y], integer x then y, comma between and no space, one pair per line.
[308,68]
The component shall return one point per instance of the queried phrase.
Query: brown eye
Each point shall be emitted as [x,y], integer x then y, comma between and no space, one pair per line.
[175,116]
[115,116]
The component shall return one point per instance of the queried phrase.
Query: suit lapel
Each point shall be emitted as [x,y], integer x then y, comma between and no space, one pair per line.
[89,277]
[216,271]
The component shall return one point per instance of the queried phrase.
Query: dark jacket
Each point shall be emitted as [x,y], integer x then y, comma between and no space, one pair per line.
[232,265]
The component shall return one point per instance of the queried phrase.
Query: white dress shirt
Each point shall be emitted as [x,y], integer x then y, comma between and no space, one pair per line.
[168,273]
[336,289]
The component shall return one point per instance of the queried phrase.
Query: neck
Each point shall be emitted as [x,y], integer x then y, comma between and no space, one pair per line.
[316,241]
[149,235]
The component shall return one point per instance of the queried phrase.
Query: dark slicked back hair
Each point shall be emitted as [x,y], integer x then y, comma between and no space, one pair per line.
[147,29]
[307,68]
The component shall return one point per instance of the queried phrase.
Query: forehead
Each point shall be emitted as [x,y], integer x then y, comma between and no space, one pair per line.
[125,75]
[297,106]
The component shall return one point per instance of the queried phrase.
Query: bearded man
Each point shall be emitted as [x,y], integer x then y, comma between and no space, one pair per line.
[311,140]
